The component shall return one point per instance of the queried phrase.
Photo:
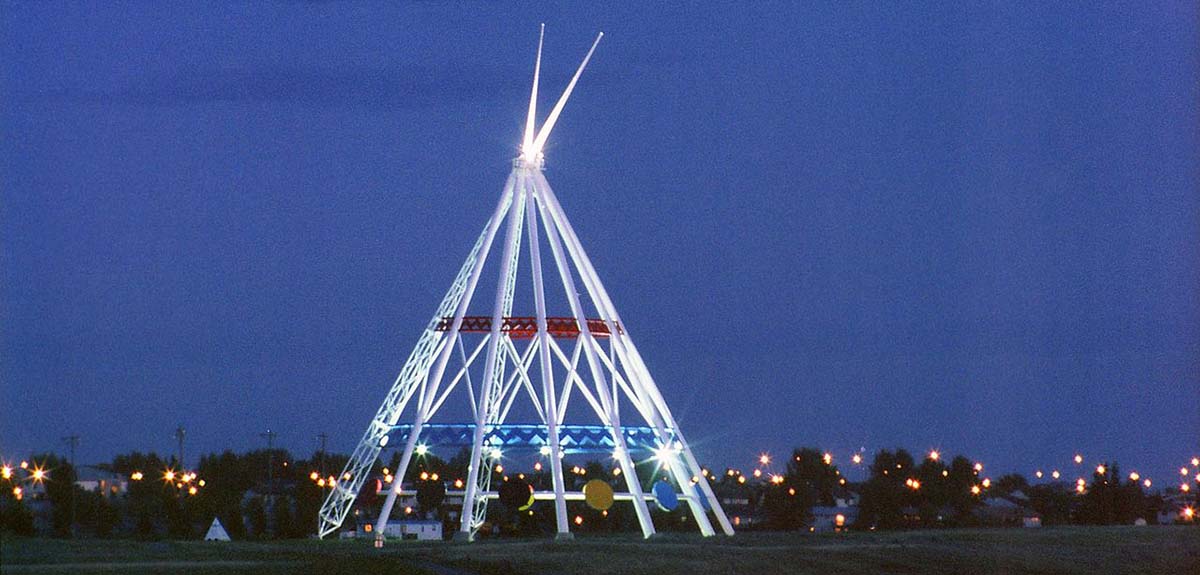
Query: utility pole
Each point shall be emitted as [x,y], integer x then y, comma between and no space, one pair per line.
[180,432]
[323,438]
[73,441]
[270,437]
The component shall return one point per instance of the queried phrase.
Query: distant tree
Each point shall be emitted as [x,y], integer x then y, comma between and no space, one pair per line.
[885,494]
[18,518]
[1111,501]
[1053,502]
[1009,484]
[60,491]
[808,481]
[107,517]
[960,479]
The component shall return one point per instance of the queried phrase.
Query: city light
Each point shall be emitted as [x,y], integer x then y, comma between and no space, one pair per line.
[1078,459]
[192,490]
[6,472]
[987,482]
[978,467]
[1134,476]
[827,458]
[857,459]
[458,484]
[1183,471]
[1055,474]
[544,450]
[537,466]
[18,493]
[579,520]
[764,459]
[1038,474]
[136,476]
[168,475]
[1100,469]
[40,474]
[314,475]
[495,453]
[1185,487]
[757,473]
[1081,488]
[1189,513]
[1196,462]
[975,490]
[1147,483]
[934,455]
[422,449]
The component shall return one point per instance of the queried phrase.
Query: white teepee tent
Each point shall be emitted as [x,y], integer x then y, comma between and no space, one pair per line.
[216,532]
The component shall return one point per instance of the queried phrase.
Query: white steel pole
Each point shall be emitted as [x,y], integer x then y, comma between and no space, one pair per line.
[548,391]
[502,290]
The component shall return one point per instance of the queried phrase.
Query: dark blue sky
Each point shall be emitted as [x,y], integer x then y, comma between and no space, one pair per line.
[968,227]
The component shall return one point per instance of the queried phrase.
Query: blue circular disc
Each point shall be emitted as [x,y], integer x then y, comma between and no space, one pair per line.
[665,496]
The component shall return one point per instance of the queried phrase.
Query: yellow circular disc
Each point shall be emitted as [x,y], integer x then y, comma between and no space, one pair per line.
[529,503]
[598,494]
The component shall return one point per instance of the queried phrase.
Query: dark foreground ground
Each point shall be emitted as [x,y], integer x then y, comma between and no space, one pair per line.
[1083,550]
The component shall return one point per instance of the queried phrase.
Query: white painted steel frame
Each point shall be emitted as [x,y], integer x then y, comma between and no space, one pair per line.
[526,200]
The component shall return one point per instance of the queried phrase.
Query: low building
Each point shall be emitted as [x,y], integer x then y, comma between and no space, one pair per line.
[97,480]
[415,529]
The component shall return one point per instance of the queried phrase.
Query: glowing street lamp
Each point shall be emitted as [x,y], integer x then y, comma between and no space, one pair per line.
[1147,483]
[1078,459]
[934,455]
[856,459]
[827,458]
[168,475]
[137,476]
[975,490]
[1196,462]
[1183,471]
[1100,469]
[6,472]
[978,467]
[40,474]
[1055,474]
[1134,476]
[764,459]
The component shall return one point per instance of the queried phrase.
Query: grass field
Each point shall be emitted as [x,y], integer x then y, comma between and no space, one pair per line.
[1149,550]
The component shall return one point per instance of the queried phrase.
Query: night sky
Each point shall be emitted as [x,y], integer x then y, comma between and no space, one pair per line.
[973,228]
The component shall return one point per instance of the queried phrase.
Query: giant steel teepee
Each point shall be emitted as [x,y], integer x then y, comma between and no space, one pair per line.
[546,359]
